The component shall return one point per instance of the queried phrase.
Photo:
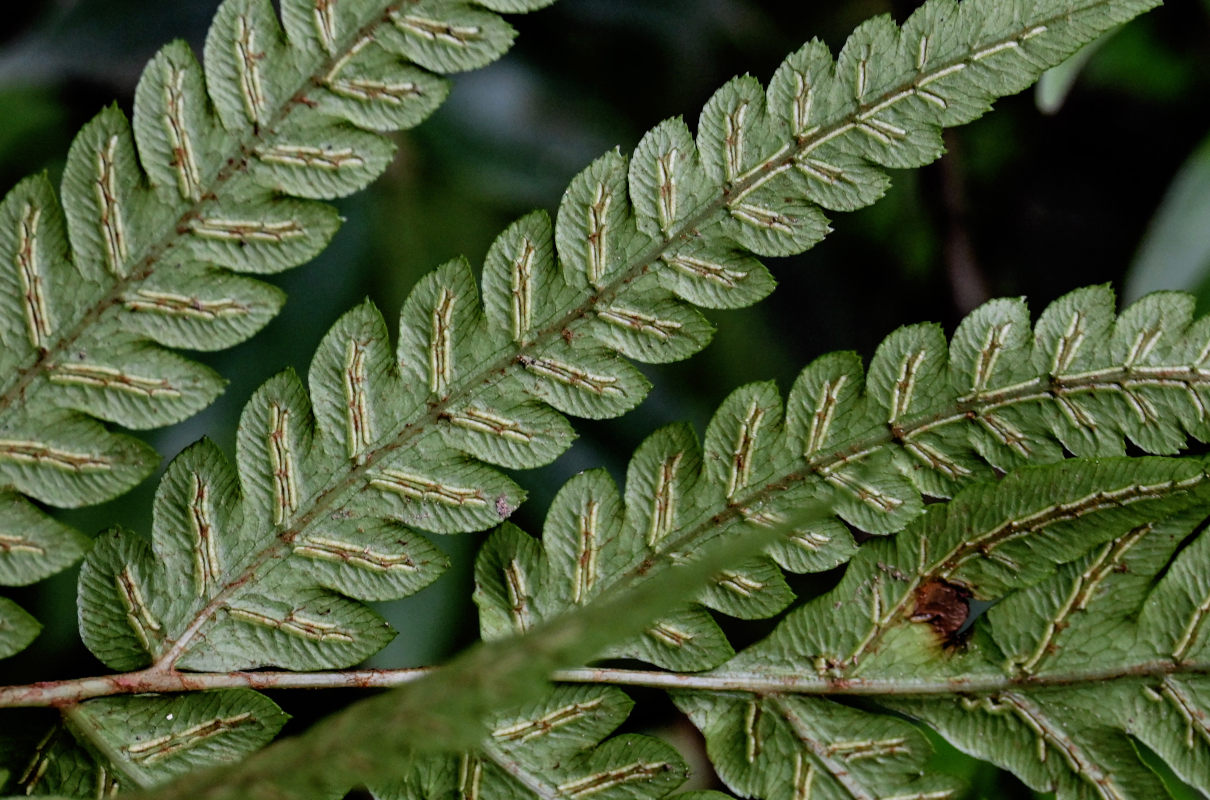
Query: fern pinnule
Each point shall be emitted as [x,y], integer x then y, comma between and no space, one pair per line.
[220,174]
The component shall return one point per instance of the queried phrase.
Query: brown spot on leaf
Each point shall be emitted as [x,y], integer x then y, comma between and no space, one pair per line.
[943,605]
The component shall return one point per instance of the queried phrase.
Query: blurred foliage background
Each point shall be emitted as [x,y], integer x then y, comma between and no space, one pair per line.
[1025,203]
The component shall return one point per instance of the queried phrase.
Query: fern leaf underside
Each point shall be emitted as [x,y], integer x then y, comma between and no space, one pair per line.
[1097,635]
[264,563]
[520,584]
[387,439]
[924,420]
[220,174]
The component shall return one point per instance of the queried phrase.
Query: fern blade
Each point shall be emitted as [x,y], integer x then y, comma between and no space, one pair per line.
[1050,742]
[1047,684]
[158,215]
[300,474]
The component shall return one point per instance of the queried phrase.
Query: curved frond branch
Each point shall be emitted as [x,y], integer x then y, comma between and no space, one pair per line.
[925,419]
[220,173]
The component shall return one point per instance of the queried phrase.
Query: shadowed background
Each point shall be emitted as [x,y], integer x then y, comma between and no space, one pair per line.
[1024,204]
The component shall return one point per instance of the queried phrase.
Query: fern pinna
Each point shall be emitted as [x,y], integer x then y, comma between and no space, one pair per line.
[268,562]
[219,176]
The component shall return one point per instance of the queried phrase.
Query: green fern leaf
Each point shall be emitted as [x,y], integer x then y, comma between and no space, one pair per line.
[217,175]
[1048,685]
[206,596]
[395,445]
[137,741]
[788,747]
[925,420]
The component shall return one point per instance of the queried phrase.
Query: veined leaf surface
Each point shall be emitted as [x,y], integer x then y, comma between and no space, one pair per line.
[219,173]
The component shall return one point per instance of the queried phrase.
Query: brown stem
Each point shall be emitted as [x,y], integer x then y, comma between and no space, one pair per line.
[59,694]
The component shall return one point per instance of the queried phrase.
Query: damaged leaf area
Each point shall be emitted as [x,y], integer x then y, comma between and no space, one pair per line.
[945,606]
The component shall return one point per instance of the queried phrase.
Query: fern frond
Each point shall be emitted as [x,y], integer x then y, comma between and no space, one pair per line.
[445,710]
[1096,637]
[1096,633]
[219,175]
[636,240]
[391,439]
[925,419]
[242,568]
[240,578]
[266,562]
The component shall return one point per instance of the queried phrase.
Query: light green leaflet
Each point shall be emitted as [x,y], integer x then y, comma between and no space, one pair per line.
[1049,684]
[219,174]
